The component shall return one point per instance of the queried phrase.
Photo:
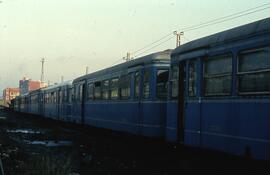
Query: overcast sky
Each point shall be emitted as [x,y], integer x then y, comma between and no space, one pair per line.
[73,34]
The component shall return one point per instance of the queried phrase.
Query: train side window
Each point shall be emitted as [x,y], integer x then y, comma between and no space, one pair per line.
[125,86]
[90,91]
[174,81]
[60,96]
[254,71]
[97,90]
[70,95]
[81,92]
[137,85]
[218,75]
[105,90]
[146,84]
[114,88]
[192,79]
[162,83]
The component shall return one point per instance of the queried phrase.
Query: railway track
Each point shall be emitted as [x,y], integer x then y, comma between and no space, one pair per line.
[31,144]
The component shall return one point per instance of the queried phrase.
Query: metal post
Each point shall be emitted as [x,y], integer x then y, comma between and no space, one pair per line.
[42,70]
[1,166]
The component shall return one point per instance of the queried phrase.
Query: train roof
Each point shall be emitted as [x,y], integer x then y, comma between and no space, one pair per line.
[158,57]
[66,83]
[248,30]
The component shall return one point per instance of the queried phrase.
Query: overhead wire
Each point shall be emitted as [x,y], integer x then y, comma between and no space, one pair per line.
[224,17]
[198,26]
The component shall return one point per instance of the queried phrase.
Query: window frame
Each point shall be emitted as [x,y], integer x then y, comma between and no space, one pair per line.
[251,72]
[215,76]
[166,84]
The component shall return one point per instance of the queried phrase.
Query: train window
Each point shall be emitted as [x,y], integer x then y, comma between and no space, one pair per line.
[174,81]
[81,92]
[125,87]
[114,88]
[60,97]
[90,91]
[77,93]
[70,95]
[97,90]
[137,85]
[192,79]
[218,75]
[105,90]
[146,84]
[254,71]
[162,83]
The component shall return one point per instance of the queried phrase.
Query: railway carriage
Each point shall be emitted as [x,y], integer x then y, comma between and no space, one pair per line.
[57,103]
[220,92]
[128,97]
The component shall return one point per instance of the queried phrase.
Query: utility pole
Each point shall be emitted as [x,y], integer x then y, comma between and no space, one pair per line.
[178,37]
[86,70]
[127,58]
[42,70]
[62,79]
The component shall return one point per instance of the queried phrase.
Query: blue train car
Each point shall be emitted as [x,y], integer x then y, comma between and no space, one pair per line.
[57,104]
[220,92]
[129,97]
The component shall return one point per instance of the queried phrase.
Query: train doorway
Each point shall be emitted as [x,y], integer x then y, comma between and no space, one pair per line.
[181,102]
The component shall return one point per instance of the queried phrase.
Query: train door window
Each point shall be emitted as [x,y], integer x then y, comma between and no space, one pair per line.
[77,93]
[218,75]
[254,71]
[125,86]
[70,98]
[137,85]
[146,84]
[114,88]
[61,96]
[81,92]
[90,91]
[192,79]
[174,81]
[97,90]
[105,90]
[162,83]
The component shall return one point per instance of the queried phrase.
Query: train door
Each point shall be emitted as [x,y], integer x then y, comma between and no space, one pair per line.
[181,102]
[82,99]
[59,103]
[138,98]
[79,102]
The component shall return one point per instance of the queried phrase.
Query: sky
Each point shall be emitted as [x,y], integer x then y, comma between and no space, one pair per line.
[73,34]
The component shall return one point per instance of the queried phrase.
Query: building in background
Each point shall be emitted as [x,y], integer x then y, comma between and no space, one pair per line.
[28,85]
[10,93]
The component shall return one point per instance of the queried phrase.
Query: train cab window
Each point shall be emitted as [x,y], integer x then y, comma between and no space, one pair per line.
[218,75]
[114,88]
[174,81]
[162,83]
[137,85]
[105,90]
[254,71]
[97,90]
[90,91]
[146,84]
[192,79]
[125,87]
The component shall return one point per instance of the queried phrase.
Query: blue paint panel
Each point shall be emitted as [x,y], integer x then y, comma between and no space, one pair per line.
[192,124]
[126,117]
[236,126]
[171,121]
